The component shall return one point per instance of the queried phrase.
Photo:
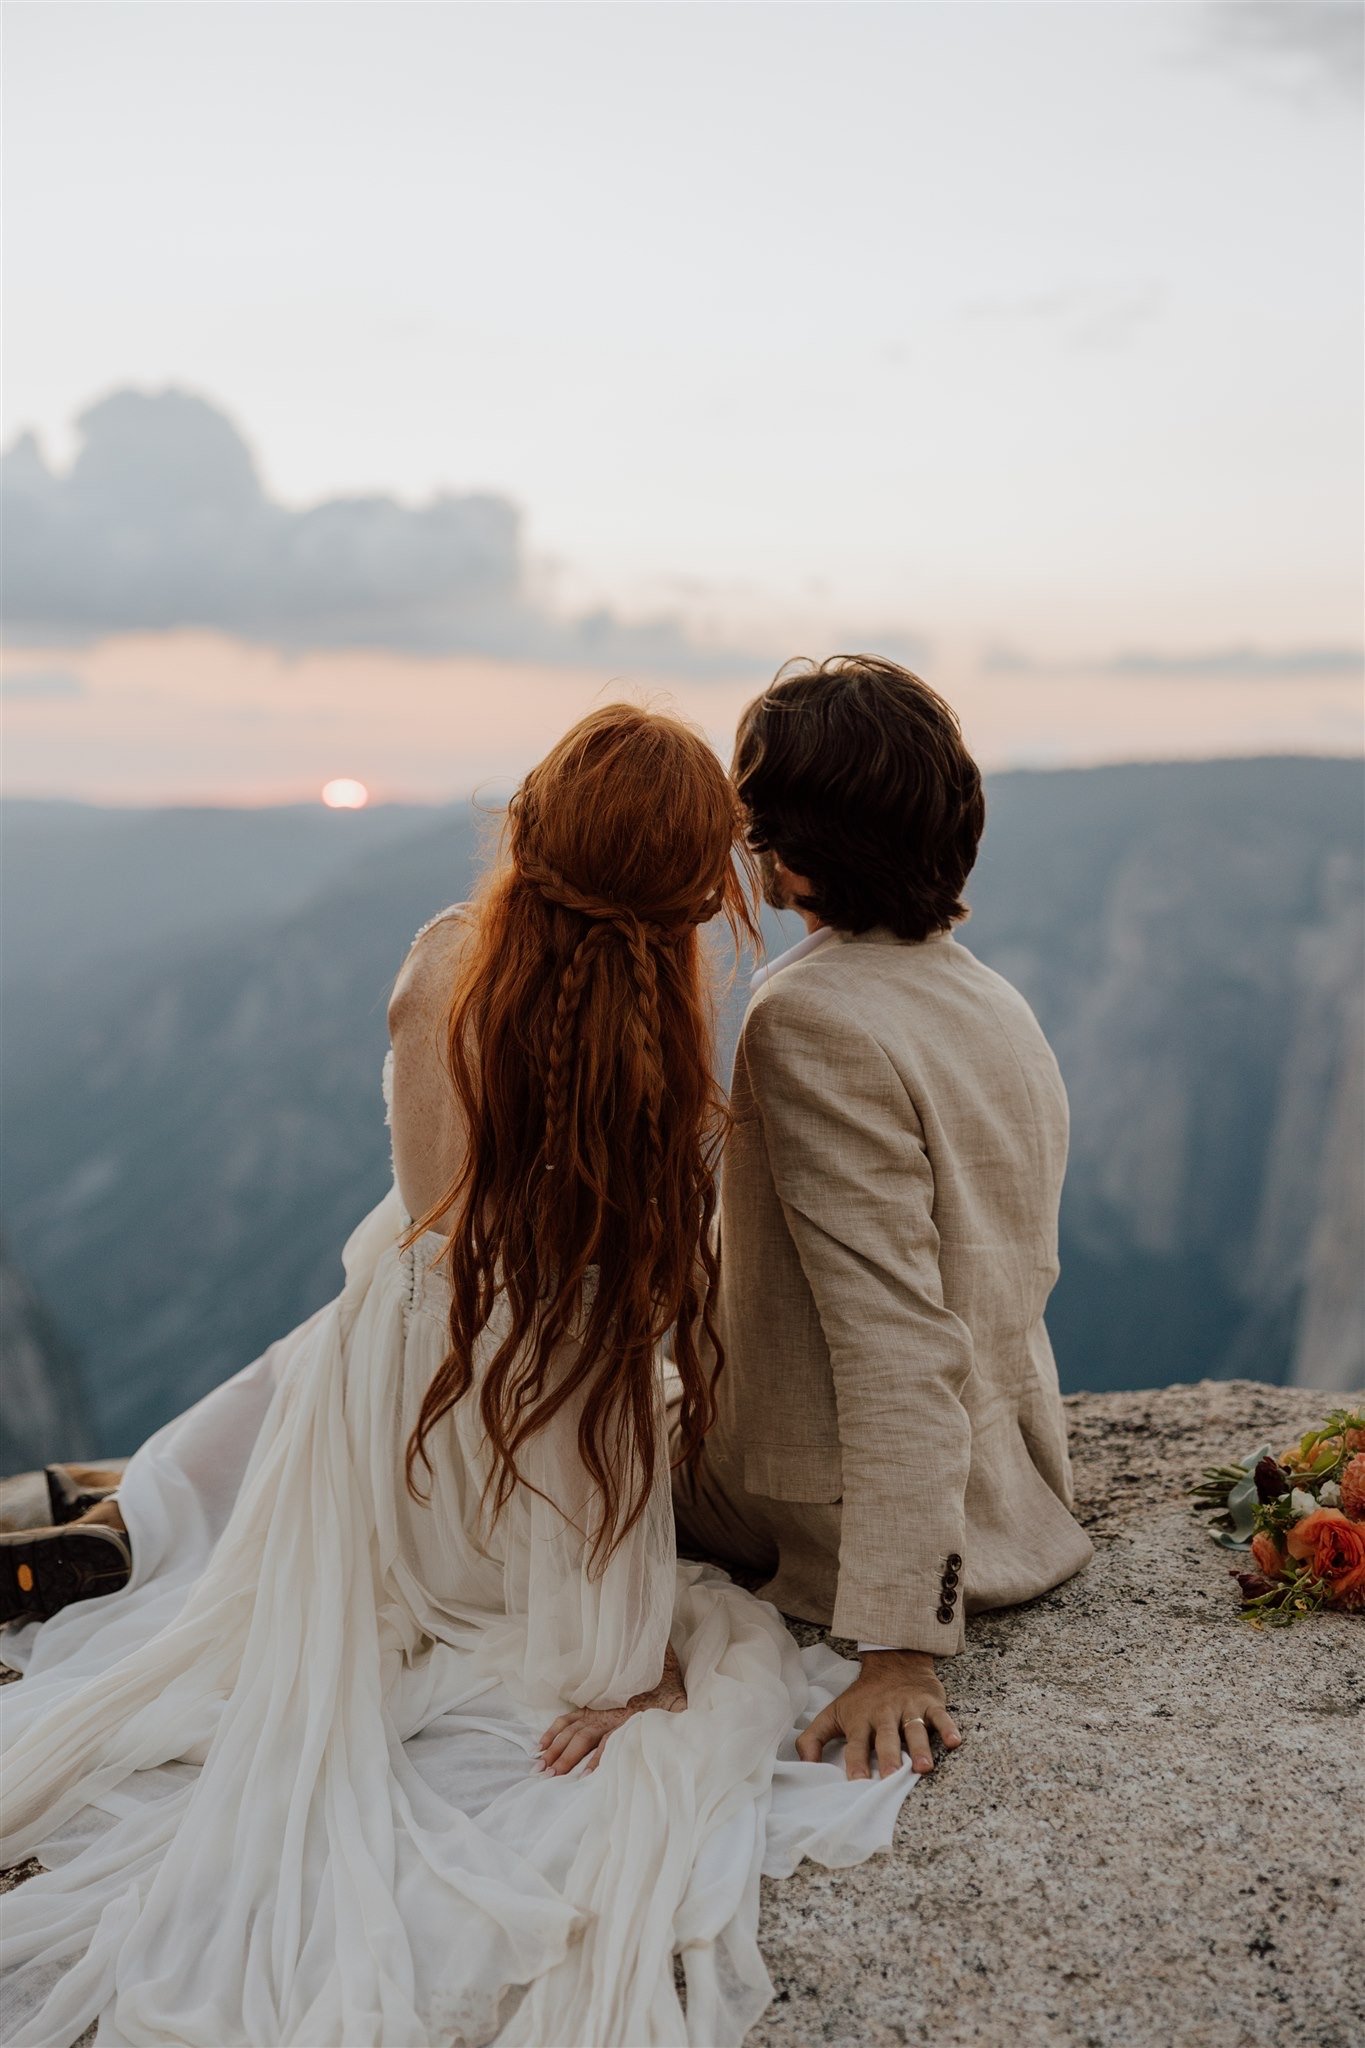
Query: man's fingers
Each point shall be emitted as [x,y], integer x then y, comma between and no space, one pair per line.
[888,1744]
[945,1727]
[917,1742]
[893,1732]
[811,1742]
[857,1752]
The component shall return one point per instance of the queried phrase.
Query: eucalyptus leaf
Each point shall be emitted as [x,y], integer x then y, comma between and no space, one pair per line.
[1243,1501]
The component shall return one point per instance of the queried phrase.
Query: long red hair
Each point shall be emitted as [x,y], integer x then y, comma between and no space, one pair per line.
[579,1041]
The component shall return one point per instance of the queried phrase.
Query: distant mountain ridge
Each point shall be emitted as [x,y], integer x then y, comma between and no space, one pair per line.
[191,1101]
[87,882]
[43,1415]
[1193,942]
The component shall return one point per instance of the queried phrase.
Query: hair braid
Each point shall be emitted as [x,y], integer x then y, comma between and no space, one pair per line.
[639,935]
[557,889]
[559,1058]
[646,976]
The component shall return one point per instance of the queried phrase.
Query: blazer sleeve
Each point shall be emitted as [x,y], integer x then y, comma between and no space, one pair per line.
[850,1166]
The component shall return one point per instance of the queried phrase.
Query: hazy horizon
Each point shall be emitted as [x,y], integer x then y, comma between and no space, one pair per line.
[493,796]
[511,357]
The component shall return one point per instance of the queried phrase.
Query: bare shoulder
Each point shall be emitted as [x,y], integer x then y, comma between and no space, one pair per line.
[427,975]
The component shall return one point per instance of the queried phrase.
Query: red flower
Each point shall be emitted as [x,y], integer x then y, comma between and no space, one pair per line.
[1353,1488]
[1333,1546]
[1270,1480]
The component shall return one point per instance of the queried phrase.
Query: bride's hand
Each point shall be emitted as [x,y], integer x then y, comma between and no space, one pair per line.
[583,1732]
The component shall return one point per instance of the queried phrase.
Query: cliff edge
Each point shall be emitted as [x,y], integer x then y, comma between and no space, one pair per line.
[1150,1837]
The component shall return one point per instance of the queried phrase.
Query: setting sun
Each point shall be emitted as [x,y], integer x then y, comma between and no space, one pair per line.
[345,794]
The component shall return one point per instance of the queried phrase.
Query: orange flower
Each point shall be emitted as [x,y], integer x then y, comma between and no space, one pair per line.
[1334,1548]
[1355,1439]
[1353,1488]
[1267,1552]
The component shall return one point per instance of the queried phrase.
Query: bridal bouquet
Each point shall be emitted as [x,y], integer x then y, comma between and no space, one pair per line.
[1302,1518]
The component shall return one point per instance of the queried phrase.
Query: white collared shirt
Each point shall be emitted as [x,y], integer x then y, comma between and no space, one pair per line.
[796,952]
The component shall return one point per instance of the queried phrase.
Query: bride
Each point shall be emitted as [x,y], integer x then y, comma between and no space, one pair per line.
[408,1727]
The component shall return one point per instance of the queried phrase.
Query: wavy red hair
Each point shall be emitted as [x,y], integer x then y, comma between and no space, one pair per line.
[579,1041]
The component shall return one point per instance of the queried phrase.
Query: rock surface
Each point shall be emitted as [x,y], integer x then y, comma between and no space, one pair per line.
[1150,1837]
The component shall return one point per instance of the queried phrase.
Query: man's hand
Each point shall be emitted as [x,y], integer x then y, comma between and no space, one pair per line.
[895,1700]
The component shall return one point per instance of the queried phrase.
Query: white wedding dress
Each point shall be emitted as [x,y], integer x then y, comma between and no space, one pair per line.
[282,1784]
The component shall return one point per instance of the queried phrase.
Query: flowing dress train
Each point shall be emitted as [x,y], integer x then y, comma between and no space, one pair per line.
[282,1784]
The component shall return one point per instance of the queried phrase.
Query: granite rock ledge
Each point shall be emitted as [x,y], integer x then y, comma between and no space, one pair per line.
[1150,1837]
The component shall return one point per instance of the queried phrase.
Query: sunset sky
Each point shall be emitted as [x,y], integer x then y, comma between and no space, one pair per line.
[387,383]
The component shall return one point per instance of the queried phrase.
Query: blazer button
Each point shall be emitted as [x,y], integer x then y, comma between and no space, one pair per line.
[949,1595]
[950,1578]
[945,1613]
[954,1563]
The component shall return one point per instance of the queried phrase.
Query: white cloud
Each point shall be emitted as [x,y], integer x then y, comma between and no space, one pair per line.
[1306,50]
[1083,316]
[162,522]
[1243,664]
[43,685]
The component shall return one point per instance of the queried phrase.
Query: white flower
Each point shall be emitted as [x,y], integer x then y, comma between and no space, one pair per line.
[1329,1495]
[1301,1504]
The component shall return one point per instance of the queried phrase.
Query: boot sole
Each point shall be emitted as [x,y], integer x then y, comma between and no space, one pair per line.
[44,1570]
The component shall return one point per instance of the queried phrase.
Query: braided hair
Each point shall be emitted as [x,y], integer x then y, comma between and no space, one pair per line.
[579,1042]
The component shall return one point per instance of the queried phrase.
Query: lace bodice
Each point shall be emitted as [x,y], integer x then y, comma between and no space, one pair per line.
[386,1079]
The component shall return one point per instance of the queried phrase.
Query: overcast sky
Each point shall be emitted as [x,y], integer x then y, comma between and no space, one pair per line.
[660,342]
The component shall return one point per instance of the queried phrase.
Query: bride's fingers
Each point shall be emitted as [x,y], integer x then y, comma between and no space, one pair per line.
[555,1727]
[579,1745]
[572,1737]
[554,1750]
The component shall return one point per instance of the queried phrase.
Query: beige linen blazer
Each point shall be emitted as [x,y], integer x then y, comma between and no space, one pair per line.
[888,1241]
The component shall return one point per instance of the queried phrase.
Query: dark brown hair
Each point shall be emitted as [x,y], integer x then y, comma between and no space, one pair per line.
[579,1041]
[854,772]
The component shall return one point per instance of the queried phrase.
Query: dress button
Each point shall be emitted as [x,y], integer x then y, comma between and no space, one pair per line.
[945,1613]
[954,1563]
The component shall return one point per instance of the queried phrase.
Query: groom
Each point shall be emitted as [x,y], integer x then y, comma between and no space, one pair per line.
[890,1449]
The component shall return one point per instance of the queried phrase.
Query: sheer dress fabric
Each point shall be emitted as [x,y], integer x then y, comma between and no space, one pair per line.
[282,1784]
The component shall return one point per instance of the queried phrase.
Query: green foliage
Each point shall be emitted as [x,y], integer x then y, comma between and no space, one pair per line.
[1229,1495]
